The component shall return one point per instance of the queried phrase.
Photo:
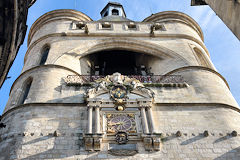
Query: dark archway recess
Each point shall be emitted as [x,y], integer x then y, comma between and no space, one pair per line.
[122,61]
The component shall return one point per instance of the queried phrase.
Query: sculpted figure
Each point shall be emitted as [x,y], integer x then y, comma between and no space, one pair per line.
[102,85]
[121,137]
[147,91]
[117,78]
[135,84]
[91,92]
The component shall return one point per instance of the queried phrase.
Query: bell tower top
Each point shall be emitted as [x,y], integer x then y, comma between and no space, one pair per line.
[113,9]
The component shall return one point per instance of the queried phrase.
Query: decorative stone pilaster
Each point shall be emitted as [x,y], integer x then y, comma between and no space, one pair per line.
[90,109]
[151,120]
[97,120]
[94,105]
[152,141]
[144,120]
[93,140]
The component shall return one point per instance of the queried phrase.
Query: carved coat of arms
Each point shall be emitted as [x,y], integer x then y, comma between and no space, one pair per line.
[119,94]
[121,137]
[118,87]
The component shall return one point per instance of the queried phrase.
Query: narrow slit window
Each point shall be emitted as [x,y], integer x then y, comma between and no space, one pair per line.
[26,90]
[44,56]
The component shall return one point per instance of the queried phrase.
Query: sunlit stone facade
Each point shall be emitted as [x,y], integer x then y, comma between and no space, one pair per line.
[116,88]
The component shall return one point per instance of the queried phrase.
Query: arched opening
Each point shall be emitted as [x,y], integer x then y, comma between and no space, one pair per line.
[25,90]
[115,12]
[110,61]
[44,55]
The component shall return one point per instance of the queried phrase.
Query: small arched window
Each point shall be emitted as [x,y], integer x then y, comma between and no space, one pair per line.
[44,56]
[25,90]
[115,12]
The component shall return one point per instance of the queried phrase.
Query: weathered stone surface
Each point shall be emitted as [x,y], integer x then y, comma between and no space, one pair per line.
[53,121]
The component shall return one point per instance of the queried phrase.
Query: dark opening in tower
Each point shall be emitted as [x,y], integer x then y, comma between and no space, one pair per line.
[117,61]
[110,61]
[115,12]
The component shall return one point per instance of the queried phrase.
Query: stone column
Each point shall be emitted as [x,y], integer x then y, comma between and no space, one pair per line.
[144,120]
[97,119]
[151,120]
[90,109]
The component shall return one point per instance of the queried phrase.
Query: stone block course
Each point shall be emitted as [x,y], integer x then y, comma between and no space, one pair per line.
[196,121]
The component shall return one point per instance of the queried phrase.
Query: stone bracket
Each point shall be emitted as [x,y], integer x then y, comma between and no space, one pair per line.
[152,142]
[93,142]
[88,141]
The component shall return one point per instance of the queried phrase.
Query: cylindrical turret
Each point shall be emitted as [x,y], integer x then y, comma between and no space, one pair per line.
[47,112]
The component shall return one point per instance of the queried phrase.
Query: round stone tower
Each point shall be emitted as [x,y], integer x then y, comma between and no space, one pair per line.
[116,88]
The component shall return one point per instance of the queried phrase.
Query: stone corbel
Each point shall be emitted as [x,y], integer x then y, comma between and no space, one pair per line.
[93,142]
[156,143]
[152,143]
[97,143]
[148,143]
[88,141]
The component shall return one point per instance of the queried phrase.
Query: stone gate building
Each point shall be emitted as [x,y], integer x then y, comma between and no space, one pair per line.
[116,88]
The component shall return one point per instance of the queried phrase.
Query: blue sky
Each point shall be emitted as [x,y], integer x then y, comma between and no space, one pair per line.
[223,46]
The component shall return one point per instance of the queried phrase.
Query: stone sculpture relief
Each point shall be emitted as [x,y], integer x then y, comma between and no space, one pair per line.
[118,85]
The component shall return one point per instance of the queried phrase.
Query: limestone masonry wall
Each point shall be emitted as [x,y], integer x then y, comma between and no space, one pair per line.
[197,119]
[30,133]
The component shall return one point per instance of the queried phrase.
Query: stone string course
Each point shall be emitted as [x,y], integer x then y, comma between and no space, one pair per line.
[187,147]
[199,119]
[56,132]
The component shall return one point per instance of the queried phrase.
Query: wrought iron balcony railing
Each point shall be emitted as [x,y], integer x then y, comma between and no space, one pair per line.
[73,79]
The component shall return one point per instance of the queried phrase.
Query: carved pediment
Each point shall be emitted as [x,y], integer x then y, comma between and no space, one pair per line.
[119,87]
